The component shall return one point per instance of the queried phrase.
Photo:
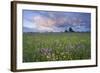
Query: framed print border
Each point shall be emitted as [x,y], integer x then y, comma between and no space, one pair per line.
[14,35]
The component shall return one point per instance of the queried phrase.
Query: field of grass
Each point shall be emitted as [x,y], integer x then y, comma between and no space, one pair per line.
[38,47]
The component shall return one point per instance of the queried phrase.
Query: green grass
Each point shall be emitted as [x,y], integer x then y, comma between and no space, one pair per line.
[38,47]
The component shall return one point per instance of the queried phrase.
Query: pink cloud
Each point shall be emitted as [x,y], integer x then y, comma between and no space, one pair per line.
[44,21]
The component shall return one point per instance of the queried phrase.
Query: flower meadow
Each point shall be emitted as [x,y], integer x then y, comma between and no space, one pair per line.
[62,46]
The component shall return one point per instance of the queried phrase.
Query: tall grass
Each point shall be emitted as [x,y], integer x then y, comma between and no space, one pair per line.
[39,47]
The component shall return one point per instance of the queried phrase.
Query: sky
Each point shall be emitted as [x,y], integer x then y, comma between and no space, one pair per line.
[55,21]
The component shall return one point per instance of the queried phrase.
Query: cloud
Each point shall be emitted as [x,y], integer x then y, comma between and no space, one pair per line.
[81,29]
[43,21]
[48,21]
[45,29]
[29,24]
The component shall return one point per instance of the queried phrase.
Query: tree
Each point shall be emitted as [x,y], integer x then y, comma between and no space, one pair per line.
[71,30]
[66,31]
